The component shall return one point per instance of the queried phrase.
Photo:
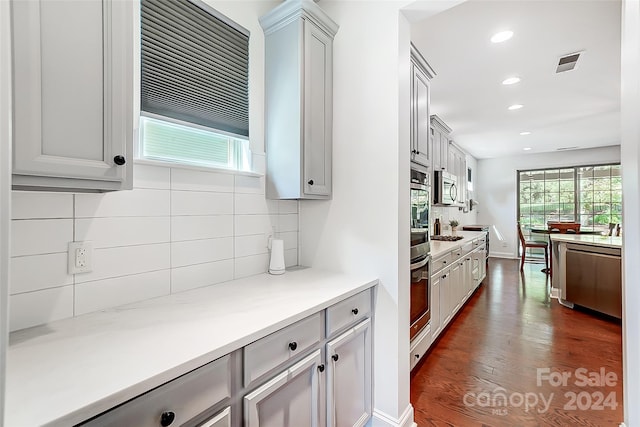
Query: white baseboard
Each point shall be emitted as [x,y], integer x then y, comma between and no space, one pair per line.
[380,419]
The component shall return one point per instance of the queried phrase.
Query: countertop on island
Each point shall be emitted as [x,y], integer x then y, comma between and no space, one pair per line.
[67,371]
[588,239]
[439,247]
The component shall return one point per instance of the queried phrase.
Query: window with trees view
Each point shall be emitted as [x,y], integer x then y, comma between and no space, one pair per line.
[590,195]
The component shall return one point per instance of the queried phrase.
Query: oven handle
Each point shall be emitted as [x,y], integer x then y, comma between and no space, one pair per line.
[420,263]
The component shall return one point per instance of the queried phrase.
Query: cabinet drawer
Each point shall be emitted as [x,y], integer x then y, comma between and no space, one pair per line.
[348,312]
[265,354]
[186,396]
[441,262]
[467,247]
[419,347]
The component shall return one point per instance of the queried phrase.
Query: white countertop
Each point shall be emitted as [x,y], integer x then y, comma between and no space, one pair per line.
[588,239]
[67,371]
[439,247]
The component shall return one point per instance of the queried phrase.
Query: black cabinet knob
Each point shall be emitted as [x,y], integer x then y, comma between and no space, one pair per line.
[293,346]
[414,151]
[417,356]
[310,182]
[120,160]
[335,357]
[321,368]
[444,262]
[167,418]
[355,311]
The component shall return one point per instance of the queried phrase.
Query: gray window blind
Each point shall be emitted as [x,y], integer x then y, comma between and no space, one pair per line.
[195,65]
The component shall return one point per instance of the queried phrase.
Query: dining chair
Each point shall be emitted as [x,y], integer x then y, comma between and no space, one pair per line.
[532,244]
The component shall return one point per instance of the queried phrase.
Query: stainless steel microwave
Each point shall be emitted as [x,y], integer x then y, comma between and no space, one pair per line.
[445,188]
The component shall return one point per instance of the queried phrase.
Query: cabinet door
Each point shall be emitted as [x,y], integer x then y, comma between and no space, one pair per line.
[420,150]
[435,144]
[454,285]
[317,116]
[444,152]
[221,419]
[73,94]
[349,377]
[291,398]
[436,326]
[445,297]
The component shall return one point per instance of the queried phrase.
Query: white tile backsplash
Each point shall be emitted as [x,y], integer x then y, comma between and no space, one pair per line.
[101,294]
[201,251]
[197,276]
[177,230]
[37,272]
[137,202]
[37,205]
[35,308]
[123,231]
[40,236]
[201,203]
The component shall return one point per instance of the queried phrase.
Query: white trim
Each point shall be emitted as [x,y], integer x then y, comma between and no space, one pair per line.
[380,419]
[176,165]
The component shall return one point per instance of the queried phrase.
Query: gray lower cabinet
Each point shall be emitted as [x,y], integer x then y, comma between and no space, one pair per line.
[221,419]
[349,377]
[73,94]
[299,100]
[291,398]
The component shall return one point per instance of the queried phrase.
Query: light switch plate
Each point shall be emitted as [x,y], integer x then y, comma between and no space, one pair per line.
[80,256]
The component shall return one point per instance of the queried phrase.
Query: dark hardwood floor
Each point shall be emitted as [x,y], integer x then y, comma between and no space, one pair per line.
[515,357]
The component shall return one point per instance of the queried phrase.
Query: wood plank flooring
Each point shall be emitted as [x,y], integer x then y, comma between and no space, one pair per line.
[515,357]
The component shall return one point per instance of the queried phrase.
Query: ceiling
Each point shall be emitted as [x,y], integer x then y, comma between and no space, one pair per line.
[578,108]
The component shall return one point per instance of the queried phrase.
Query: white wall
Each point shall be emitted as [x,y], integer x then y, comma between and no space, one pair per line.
[365,227]
[630,106]
[497,192]
[5,186]
[178,229]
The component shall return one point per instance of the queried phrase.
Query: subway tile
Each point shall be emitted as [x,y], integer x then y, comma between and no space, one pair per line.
[253,224]
[201,251]
[290,258]
[36,308]
[290,239]
[40,236]
[249,184]
[272,206]
[37,272]
[287,206]
[251,265]
[201,227]
[250,245]
[39,205]
[197,276]
[102,294]
[126,260]
[146,176]
[193,180]
[250,204]
[123,231]
[287,222]
[138,202]
[201,203]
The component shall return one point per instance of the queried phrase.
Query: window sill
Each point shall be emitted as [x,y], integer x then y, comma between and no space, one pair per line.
[160,163]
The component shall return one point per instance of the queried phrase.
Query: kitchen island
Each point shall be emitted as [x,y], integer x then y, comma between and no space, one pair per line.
[68,371]
[587,271]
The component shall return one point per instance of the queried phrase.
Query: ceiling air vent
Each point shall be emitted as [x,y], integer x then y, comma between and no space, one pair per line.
[568,62]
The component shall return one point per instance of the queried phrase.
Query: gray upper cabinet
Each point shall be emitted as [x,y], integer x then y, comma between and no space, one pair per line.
[73,94]
[421,143]
[440,135]
[299,107]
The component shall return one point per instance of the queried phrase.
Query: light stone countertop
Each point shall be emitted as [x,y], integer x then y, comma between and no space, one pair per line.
[67,371]
[440,247]
[588,239]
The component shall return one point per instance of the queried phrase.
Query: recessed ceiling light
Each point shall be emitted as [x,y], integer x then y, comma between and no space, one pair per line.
[511,81]
[527,148]
[525,133]
[515,106]
[501,36]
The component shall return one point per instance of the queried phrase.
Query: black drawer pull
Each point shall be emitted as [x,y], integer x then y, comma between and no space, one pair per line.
[355,311]
[321,368]
[293,346]
[167,418]
[120,160]
[335,357]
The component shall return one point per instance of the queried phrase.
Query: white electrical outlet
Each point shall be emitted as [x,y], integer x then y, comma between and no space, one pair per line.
[79,256]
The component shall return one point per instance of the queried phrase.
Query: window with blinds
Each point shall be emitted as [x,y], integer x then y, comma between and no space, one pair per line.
[194,95]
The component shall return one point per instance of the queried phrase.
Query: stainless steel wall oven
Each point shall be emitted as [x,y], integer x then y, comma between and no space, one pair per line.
[420,313]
